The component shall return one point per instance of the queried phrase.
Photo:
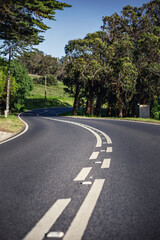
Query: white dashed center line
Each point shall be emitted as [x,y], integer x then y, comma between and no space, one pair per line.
[109,149]
[94,155]
[46,222]
[106,163]
[83,174]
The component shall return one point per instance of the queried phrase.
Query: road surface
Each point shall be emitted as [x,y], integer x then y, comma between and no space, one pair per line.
[71,178]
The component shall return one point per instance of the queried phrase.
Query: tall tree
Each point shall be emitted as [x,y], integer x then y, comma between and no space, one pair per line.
[21,20]
[74,80]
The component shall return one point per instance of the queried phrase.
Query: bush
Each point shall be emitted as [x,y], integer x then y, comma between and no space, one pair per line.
[24,85]
[156,109]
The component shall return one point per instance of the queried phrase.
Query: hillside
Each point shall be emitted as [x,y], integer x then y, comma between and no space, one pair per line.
[56,97]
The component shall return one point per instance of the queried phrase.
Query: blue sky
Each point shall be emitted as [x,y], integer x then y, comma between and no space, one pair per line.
[85,16]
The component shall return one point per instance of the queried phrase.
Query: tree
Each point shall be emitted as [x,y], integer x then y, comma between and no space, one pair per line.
[74,80]
[24,20]
[3,84]
[93,50]
[38,63]
[101,53]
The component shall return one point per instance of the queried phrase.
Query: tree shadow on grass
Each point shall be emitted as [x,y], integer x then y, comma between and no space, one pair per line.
[40,103]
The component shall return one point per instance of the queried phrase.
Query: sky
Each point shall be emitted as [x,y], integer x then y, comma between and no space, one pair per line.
[85,16]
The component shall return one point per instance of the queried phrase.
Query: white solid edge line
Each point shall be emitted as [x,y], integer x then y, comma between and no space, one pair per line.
[45,223]
[80,222]
[94,155]
[99,140]
[106,163]
[83,174]
[111,119]
[17,135]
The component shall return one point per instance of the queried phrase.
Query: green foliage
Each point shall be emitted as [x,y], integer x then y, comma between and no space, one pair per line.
[39,63]
[156,108]
[51,80]
[24,85]
[3,84]
[24,20]
[3,77]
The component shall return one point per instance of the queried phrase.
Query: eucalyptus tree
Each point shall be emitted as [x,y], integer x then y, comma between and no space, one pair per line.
[143,27]
[124,73]
[101,54]
[96,54]
[82,49]
[148,52]
[77,53]
[74,80]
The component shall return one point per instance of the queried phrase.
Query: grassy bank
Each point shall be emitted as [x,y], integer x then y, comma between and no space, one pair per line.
[82,115]
[56,97]
[11,124]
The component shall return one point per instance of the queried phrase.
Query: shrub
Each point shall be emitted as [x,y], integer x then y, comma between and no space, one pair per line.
[156,108]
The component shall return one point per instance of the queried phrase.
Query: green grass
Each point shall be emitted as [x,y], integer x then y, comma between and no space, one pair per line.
[11,124]
[56,97]
[81,114]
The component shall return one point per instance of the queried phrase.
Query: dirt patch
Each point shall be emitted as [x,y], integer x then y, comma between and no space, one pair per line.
[5,135]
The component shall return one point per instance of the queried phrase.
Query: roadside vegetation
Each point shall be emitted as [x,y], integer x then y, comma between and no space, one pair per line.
[81,114]
[56,97]
[11,124]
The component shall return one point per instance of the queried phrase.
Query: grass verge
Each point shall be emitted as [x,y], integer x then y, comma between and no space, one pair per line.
[82,115]
[11,124]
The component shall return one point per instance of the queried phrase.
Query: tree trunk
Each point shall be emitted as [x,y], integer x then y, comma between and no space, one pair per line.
[90,100]
[76,101]
[98,105]
[8,86]
[45,90]
[88,107]
[120,106]
[92,104]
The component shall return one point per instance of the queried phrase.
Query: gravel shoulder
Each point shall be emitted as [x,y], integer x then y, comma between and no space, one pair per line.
[5,135]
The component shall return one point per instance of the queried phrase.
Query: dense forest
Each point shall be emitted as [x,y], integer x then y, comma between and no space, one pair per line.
[117,67]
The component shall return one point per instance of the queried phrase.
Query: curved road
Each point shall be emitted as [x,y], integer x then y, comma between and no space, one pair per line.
[71,178]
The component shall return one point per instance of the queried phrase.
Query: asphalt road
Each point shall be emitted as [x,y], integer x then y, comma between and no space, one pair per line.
[96,181]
